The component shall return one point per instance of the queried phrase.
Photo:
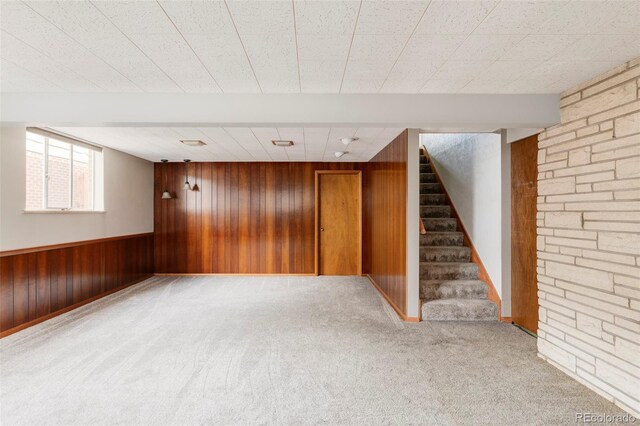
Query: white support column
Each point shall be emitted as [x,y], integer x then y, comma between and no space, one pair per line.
[413,227]
[505,159]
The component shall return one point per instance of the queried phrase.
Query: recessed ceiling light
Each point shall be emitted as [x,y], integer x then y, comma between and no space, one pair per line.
[339,154]
[282,143]
[193,142]
[347,141]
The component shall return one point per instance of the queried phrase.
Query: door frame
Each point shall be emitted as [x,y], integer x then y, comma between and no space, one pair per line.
[317,215]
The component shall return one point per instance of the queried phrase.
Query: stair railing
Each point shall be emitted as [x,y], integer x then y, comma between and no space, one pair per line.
[423,230]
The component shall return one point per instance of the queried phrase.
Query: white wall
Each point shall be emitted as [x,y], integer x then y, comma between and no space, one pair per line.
[471,167]
[128,200]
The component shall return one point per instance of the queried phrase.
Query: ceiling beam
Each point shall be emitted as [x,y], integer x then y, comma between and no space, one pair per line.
[428,111]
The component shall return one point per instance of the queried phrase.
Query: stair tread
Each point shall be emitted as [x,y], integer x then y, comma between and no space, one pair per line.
[446,247]
[426,263]
[452,282]
[458,302]
[443,232]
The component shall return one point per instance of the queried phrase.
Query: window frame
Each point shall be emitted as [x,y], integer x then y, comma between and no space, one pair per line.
[44,205]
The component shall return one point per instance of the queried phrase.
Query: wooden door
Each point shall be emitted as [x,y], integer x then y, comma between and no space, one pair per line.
[338,222]
[524,286]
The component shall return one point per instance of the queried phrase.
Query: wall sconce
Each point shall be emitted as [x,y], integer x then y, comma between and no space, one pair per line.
[187,185]
[166,195]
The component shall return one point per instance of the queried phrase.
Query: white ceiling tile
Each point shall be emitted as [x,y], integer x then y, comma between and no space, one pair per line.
[225,58]
[454,17]
[199,17]
[363,85]
[323,46]
[436,48]
[519,17]
[389,17]
[321,76]
[221,138]
[539,47]
[382,48]
[602,47]
[326,17]
[337,133]
[17,79]
[368,132]
[315,139]
[238,143]
[24,56]
[414,70]
[486,86]
[525,85]
[401,85]
[267,134]
[444,85]
[302,46]
[33,29]
[628,22]
[295,134]
[135,16]
[506,70]
[365,76]
[571,72]
[460,70]
[274,60]
[483,47]
[390,133]
[247,140]
[585,17]
[90,28]
[173,55]
[262,17]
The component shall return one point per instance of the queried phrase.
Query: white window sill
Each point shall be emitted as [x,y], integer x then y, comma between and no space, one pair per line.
[63,211]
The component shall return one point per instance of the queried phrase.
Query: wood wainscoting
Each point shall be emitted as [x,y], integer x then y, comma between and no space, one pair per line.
[384,222]
[242,218]
[39,283]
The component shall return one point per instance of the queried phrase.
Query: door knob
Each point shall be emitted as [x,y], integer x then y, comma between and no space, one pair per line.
[322,229]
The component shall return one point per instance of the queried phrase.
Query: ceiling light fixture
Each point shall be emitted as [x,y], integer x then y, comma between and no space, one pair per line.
[347,141]
[339,154]
[187,185]
[193,142]
[166,195]
[282,143]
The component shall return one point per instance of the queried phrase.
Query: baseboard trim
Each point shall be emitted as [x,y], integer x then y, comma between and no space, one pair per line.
[224,274]
[43,318]
[390,302]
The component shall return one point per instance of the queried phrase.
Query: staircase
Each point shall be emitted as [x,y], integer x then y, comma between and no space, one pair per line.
[449,286]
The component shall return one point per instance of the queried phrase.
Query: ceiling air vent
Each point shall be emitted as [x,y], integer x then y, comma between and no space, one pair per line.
[192,142]
[282,143]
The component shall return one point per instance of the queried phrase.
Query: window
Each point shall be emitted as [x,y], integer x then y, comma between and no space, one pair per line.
[62,173]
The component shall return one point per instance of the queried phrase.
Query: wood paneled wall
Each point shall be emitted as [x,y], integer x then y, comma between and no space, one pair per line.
[38,283]
[243,218]
[384,220]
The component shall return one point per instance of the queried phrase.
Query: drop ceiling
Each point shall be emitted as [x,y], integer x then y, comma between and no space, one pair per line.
[312,46]
[238,143]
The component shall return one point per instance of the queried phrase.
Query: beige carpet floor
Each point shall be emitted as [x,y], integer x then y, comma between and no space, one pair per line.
[275,350]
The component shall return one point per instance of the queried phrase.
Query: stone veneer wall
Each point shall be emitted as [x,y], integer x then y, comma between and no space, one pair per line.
[589,236]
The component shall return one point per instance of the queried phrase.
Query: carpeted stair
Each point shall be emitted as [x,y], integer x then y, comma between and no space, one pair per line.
[449,286]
